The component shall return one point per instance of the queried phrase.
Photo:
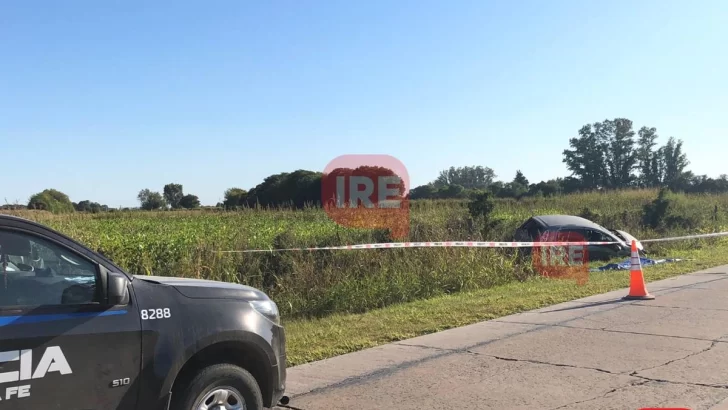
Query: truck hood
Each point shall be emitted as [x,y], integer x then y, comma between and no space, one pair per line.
[207,289]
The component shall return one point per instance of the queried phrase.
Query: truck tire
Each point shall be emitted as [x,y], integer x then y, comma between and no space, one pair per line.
[225,384]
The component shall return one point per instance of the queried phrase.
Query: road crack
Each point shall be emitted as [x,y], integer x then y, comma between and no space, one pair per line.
[601,396]
[712,345]
[439,349]
[510,359]
[679,307]
[653,379]
[609,330]
[650,379]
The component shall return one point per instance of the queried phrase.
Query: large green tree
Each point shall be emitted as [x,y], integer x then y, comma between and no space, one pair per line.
[173,194]
[271,191]
[674,161]
[469,177]
[621,157]
[51,200]
[520,178]
[547,188]
[606,155]
[603,155]
[428,191]
[586,159]
[235,197]
[88,206]
[648,159]
[189,201]
[151,200]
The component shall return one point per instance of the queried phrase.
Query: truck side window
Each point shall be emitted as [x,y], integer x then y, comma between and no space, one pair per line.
[35,271]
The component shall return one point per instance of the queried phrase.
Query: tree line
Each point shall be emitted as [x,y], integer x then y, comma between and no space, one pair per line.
[604,155]
[172,197]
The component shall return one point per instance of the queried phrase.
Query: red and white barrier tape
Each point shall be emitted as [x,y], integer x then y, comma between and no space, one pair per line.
[675,238]
[467,244]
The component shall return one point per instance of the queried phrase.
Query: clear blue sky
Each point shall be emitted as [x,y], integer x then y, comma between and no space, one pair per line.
[103,99]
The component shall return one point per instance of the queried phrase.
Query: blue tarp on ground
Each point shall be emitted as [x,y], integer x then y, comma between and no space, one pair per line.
[627,264]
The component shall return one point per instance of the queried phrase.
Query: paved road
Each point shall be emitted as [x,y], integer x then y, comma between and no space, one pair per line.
[594,353]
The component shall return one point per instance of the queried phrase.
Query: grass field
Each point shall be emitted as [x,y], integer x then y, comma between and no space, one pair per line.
[340,301]
[321,338]
[186,243]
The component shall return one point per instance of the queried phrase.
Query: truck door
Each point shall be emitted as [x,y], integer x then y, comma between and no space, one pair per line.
[61,345]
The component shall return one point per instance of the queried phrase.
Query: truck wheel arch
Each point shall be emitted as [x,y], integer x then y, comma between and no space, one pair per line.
[231,349]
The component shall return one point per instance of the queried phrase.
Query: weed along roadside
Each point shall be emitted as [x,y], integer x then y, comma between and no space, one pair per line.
[321,338]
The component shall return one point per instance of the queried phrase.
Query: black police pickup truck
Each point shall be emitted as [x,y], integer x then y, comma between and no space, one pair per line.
[79,333]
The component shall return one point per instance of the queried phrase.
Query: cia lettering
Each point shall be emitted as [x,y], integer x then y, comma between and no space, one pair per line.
[52,360]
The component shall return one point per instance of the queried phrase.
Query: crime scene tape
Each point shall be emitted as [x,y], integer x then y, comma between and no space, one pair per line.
[468,244]
[675,238]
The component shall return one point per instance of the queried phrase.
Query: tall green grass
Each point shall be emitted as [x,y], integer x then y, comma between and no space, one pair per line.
[188,244]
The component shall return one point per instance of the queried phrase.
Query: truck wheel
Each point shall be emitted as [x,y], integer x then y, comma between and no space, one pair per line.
[218,387]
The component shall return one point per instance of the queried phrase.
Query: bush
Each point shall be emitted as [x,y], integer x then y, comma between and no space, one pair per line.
[481,206]
[668,212]
[654,213]
[51,200]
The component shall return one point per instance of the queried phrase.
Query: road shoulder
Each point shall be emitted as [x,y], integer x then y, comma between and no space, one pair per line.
[634,348]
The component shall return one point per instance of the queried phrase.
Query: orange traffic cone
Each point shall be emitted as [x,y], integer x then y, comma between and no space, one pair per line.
[637,288]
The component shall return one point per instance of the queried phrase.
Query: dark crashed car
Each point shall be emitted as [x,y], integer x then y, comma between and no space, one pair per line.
[550,227]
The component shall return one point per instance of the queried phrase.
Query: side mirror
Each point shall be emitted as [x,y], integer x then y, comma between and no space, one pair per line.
[118,289]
